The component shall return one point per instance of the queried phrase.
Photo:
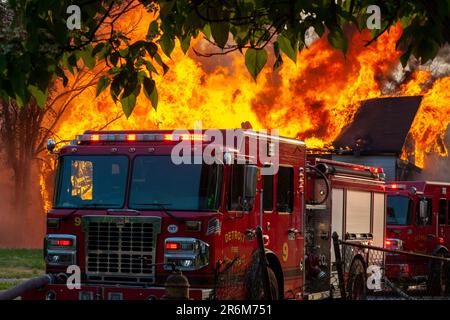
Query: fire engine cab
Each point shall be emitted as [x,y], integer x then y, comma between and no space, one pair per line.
[127,211]
[418,220]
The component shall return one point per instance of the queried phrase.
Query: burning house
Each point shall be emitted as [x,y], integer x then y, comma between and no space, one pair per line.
[380,135]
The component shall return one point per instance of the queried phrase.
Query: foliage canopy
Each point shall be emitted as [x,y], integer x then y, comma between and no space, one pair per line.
[36,46]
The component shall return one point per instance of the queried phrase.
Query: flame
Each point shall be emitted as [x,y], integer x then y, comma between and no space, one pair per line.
[432,120]
[312,99]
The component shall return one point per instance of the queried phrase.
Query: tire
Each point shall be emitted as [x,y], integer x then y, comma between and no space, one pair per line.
[438,277]
[356,284]
[273,284]
[259,287]
[254,285]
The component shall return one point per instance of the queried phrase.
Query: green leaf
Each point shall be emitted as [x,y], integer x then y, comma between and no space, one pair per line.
[88,59]
[319,28]
[167,44]
[428,49]
[116,86]
[151,48]
[278,58]
[337,39]
[150,91]
[161,63]
[405,57]
[128,104]
[185,43]
[165,7]
[102,84]
[219,31]
[41,97]
[124,52]
[99,47]
[286,47]
[153,30]
[20,100]
[71,62]
[114,58]
[207,31]
[255,59]
[150,67]
[130,85]
[60,73]
[165,68]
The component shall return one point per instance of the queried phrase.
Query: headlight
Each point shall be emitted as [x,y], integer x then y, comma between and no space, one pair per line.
[186,253]
[60,249]
[394,244]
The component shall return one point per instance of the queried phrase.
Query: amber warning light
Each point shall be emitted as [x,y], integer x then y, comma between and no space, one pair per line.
[140,137]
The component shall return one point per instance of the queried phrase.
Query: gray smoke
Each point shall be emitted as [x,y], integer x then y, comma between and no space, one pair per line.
[439,67]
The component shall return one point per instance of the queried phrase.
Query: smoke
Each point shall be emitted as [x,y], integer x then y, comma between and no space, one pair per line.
[24,229]
[438,67]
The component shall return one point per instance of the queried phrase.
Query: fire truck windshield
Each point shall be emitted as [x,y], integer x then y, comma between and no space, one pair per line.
[156,181]
[399,210]
[91,182]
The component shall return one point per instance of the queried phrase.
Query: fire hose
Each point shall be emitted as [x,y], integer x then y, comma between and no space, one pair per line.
[33,283]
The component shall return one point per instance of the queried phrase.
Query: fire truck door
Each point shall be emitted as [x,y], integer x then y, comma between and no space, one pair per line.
[442,222]
[281,223]
[426,226]
[318,241]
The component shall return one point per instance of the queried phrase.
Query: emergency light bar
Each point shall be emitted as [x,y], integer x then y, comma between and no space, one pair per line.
[139,137]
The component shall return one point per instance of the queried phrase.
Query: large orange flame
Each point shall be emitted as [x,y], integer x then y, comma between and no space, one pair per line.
[312,99]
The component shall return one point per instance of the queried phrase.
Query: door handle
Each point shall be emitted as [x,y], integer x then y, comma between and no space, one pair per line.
[430,236]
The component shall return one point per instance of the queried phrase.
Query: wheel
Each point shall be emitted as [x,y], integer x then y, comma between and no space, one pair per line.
[438,277]
[273,284]
[255,289]
[356,284]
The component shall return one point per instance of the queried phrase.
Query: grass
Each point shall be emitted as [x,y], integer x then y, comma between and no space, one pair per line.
[19,264]
[8,285]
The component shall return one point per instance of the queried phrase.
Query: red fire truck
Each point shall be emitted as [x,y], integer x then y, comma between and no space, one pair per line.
[126,215]
[418,220]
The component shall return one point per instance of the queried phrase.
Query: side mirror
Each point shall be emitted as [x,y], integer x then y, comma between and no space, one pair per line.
[227,158]
[51,144]
[250,177]
[423,209]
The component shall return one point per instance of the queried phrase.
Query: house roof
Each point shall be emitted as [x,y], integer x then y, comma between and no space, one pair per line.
[380,125]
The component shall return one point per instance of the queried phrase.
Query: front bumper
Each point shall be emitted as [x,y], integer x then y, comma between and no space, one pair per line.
[101,292]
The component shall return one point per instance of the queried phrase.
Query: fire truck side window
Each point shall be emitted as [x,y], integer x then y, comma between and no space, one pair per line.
[448,209]
[285,189]
[399,210]
[429,212]
[268,193]
[442,210]
[236,190]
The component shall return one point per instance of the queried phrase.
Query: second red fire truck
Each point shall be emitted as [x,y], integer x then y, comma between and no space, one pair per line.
[418,220]
[126,215]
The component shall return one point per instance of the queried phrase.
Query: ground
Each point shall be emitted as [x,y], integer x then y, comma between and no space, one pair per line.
[17,265]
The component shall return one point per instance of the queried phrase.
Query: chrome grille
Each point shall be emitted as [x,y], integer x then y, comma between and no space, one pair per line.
[121,248]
